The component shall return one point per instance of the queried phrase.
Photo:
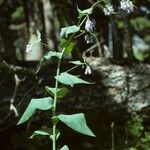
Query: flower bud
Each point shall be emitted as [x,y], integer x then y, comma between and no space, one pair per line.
[88,70]
[89,38]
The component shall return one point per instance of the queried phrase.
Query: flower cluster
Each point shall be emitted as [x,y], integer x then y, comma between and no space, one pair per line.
[90,27]
[127,6]
[108,10]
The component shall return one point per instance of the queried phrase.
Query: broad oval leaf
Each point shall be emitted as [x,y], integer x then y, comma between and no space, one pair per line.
[69,79]
[39,103]
[50,54]
[67,30]
[65,147]
[61,92]
[76,122]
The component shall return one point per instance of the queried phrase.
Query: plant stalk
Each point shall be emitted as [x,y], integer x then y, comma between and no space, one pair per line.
[55,101]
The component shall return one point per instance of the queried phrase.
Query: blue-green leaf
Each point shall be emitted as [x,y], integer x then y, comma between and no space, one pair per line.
[67,30]
[61,92]
[69,79]
[40,103]
[39,132]
[68,45]
[77,62]
[65,147]
[76,122]
[50,54]
[45,132]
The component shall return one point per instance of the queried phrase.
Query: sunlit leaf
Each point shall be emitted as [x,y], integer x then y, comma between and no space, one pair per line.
[61,92]
[68,45]
[76,122]
[69,79]
[67,30]
[140,55]
[18,13]
[40,103]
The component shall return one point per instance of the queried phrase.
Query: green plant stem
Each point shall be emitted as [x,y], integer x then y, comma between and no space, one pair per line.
[72,68]
[55,100]
[112,136]
[46,45]
[94,5]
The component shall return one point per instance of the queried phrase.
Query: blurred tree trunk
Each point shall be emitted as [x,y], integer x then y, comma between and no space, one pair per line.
[49,24]
[127,40]
[34,21]
[7,35]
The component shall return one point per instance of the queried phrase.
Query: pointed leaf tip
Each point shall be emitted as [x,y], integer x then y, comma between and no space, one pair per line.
[65,147]
[39,103]
[76,122]
[70,79]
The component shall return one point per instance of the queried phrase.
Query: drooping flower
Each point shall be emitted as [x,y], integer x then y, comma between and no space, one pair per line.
[90,25]
[127,6]
[29,47]
[108,10]
[89,38]
[87,70]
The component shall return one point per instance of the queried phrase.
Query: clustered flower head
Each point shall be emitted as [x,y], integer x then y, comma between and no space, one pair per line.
[127,6]
[90,25]
[108,10]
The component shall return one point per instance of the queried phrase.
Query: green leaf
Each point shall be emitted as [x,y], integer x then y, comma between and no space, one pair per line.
[45,132]
[69,79]
[84,12]
[39,132]
[35,38]
[18,13]
[65,147]
[78,62]
[40,103]
[50,54]
[132,148]
[61,92]
[140,55]
[67,30]
[68,45]
[76,122]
